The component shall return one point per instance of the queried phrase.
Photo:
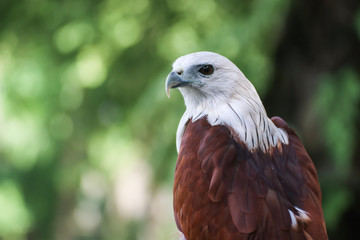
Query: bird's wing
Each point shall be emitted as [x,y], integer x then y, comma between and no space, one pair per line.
[219,182]
[257,187]
[311,192]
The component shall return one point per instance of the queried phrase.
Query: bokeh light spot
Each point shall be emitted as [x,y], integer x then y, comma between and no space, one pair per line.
[14,218]
[180,39]
[72,35]
[91,68]
[132,190]
[23,140]
[127,32]
[28,80]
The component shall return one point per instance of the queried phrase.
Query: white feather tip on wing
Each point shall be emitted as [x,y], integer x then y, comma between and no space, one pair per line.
[300,216]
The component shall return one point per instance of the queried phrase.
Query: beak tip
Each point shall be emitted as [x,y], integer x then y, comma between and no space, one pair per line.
[167,90]
[173,81]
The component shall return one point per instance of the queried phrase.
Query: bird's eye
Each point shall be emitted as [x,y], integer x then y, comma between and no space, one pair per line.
[206,69]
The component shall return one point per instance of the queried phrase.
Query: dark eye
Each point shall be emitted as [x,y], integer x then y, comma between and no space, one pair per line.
[206,69]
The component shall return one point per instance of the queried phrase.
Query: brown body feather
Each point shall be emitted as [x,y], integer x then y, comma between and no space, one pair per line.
[223,191]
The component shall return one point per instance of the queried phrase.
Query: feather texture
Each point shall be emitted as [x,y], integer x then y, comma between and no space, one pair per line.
[224,190]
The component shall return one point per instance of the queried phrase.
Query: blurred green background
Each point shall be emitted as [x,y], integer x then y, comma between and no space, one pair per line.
[87,134]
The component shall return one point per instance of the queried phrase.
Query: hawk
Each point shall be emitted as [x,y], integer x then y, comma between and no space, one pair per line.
[239,175]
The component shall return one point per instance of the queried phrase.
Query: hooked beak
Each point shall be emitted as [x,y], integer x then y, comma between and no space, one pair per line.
[174,80]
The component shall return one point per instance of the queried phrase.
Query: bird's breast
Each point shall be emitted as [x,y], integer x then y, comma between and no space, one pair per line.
[196,207]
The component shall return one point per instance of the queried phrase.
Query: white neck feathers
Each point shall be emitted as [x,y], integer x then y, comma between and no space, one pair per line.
[245,116]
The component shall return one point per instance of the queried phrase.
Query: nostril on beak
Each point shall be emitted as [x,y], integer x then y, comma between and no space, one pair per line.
[179,72]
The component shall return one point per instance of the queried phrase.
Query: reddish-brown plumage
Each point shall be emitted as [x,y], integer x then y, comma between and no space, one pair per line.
[222,191]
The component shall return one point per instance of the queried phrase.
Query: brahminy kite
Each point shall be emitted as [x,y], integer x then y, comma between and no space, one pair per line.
[239,175]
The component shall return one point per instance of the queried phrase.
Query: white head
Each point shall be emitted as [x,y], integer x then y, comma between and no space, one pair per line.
[214,87]
[207,78]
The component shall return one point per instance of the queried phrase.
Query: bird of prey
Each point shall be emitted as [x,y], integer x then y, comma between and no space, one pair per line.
[239,175]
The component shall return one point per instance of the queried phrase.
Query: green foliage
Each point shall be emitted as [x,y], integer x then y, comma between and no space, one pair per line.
[337,107]
[337,102]
[87,141]
[15,218]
